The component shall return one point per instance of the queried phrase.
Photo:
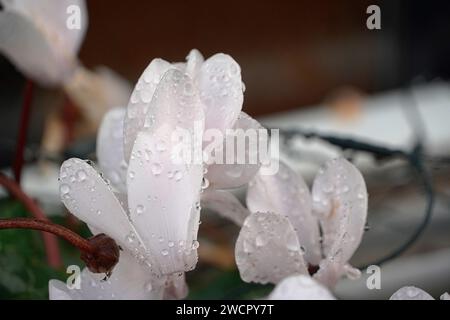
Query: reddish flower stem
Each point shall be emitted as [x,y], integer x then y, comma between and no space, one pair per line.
[50,241]
[48,227]
[23,130]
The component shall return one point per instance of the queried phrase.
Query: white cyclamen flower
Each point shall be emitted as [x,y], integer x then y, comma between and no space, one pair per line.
[35,37]
[153,260]
[157,219]
[281,236]
[414,293]
[216,83]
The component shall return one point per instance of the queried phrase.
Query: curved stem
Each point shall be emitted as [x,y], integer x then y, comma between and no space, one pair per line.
[50,241]
[48,227]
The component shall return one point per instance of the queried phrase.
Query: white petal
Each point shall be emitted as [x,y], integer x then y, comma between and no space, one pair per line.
[220,86]
[57,290]
[163,192]
[34,36]
[410,293]
[129,281]
[267,249]
[287,194]
[140,101]
[226,204]
[226,176]
[300,287]
[176,287]
[445,296]
[194,62]
[340,202]
[90,199]
[110,148]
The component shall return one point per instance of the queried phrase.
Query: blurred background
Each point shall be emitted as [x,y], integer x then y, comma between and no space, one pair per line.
[305,64]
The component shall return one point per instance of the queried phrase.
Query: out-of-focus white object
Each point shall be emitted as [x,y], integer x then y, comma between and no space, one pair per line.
[34,35]
[383,119]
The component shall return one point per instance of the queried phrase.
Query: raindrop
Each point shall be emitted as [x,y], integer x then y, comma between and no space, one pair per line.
[131,174]
[205,183]
[195,245]
[156,169]
[161,146]
[81,175]
[140,209]
[64,189]
[178,175]
[164,252]
[130,237]
[99,212]
[170,244]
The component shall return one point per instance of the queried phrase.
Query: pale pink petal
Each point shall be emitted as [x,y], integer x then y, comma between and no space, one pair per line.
[410,293]
[34,36]
[267,249]
[287,194]
[129,281]
[226,204]
[250,134]
[194,62]
[163,192]
[340,202]
[140,101]
[220,85]
[300,287]
[87,196]
[110,149]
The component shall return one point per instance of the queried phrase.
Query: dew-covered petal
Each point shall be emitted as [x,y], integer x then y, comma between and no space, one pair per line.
[176,287]
[248,138]
[87,196]
[410,293]
[163,186]
[300,287]
[110,149]
[226,204]
[220,86]
[267,249]
[287,194]
[194,62]
[340,203]
[128,281]
[140,101]
[164,204]
[34,36]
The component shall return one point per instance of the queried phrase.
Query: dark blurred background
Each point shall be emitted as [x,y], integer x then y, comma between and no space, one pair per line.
[292,53]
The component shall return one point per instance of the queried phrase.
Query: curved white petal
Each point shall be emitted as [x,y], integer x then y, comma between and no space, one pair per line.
[194,62]
[140,101]
[34,36]
[220,85]
[163,191]
[445,296]
[87,196]
[287,194]
[110,149]
[340,202]
[410,293]
[300,287]
[250,134]
[267,249]
[226,204]
[128,281]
